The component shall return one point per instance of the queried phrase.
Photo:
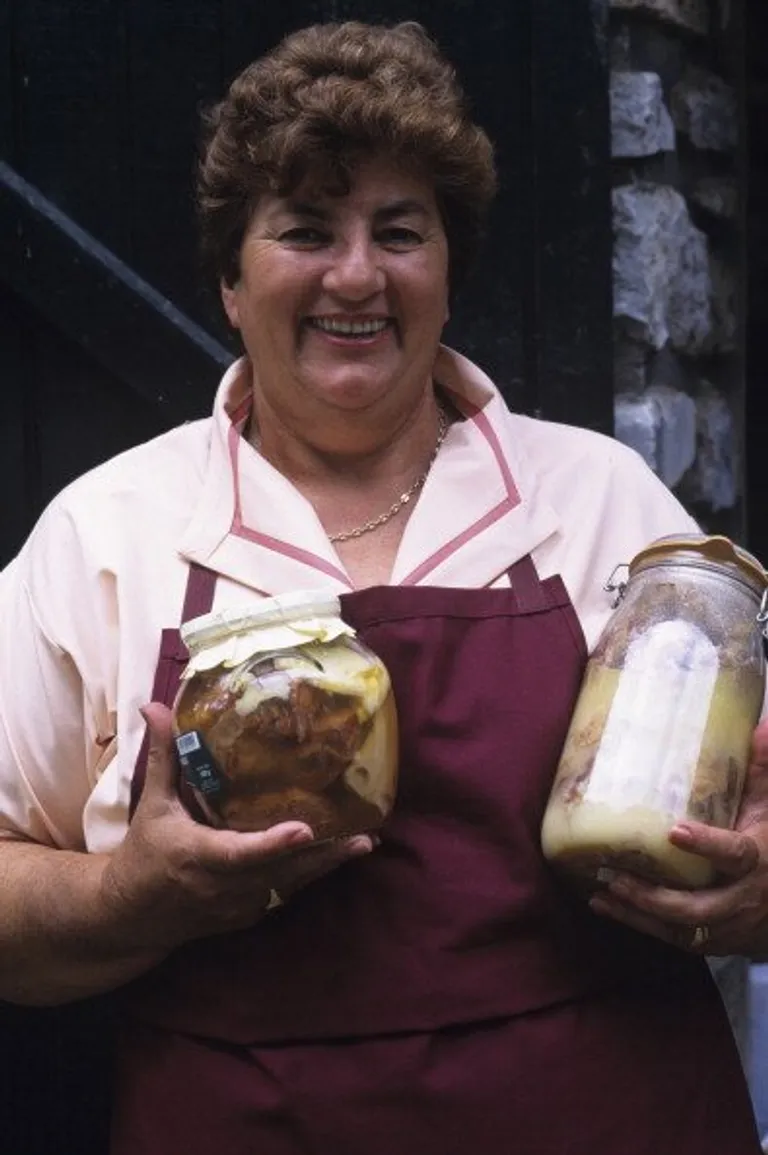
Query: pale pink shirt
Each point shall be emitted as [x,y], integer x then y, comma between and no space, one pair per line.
[104,571]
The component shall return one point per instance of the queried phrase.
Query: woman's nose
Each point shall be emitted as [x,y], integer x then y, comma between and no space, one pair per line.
[355,272]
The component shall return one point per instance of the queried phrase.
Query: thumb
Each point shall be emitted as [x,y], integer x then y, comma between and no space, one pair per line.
[162,769]
[758,760]
[754,800]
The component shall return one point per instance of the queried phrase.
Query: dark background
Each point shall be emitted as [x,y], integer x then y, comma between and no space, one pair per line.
[99,108]
[107,336]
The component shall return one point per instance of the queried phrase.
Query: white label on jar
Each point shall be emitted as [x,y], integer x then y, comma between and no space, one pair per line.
[652,738]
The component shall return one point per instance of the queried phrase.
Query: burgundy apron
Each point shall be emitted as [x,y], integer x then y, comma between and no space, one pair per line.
[446,994]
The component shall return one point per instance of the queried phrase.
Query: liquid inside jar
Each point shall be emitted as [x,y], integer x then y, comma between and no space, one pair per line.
[661,733]
[307,733]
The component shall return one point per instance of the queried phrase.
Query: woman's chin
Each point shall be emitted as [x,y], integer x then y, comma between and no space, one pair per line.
[352,396]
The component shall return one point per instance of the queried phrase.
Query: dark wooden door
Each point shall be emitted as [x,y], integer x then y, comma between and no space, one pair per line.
[107,335]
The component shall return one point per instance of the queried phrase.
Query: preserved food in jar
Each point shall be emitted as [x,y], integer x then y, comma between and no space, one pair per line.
[282,714]
[663,724]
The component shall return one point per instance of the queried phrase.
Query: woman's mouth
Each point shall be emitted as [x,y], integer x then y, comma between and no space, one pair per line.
[349,329]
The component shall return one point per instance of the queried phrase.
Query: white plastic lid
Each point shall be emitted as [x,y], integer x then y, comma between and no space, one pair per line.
[296,606]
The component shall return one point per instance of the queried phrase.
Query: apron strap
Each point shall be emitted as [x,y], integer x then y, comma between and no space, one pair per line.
[528,588]
[198,599]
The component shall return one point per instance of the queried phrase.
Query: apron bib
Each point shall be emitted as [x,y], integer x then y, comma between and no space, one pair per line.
[447,993]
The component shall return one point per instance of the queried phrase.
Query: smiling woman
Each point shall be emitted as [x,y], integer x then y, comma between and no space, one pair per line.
[433,989]
[341,317]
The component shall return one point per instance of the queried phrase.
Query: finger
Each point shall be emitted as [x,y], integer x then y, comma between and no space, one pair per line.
[732,853]
[305,866]
[680,908]
[606,905]
[232,851]
[162,768]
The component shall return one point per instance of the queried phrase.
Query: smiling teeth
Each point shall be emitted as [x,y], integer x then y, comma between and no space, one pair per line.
[350,328]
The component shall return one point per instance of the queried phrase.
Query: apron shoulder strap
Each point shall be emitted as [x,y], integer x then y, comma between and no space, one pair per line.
[198,600]
[198,597]
[527,586]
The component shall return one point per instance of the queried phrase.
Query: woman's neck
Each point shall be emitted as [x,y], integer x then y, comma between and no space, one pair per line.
[346,451]
[362,497]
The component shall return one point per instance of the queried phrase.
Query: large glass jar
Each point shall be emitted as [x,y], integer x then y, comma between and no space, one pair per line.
[284,714]
[664,720]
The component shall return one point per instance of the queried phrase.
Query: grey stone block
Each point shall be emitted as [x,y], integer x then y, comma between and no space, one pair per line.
[690,296]
[677,433]
[640,121]
[661,427]
[690,14]
[636,424]
[713,480]
[662,285]
[705,108]
[719,195]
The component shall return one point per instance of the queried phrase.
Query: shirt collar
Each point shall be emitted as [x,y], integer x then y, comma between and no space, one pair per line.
[475,516]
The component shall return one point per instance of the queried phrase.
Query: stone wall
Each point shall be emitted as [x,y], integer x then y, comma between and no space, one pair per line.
[677,209]
[678,270]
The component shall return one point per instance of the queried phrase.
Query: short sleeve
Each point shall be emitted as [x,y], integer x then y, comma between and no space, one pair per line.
[49,735]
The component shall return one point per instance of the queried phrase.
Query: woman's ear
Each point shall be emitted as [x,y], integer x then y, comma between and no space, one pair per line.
[229,301]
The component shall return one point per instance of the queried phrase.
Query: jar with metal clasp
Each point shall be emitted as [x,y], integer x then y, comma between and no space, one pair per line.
[663,723]
[284,714]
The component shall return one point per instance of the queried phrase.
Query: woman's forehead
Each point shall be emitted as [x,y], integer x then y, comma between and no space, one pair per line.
[376,183]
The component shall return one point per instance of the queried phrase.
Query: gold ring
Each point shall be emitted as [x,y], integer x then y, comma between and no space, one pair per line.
[700,937]
[275,900]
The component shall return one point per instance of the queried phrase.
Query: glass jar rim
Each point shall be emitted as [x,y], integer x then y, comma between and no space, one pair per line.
[715,549]
[282,609]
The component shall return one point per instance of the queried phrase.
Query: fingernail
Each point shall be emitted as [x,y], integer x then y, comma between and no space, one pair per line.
[359,844]
[301,837]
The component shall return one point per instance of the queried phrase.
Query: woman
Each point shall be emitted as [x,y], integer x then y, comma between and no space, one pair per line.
[442,990]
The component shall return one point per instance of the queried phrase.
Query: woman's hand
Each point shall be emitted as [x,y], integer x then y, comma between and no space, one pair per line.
[175,879]
[730,918]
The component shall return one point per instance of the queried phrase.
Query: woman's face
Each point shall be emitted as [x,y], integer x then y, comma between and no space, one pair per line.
[342,299]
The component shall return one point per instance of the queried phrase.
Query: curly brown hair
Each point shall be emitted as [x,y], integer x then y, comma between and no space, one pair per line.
[322,100]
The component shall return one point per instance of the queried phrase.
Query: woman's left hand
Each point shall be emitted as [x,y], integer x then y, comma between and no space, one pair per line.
[732,916]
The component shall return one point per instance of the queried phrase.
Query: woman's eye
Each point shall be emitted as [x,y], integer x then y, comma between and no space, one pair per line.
[399,236]
[303,236]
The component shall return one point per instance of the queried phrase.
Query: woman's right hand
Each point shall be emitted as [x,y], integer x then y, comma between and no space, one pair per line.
[175,879]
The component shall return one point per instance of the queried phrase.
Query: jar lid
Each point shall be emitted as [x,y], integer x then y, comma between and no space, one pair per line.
[298,606]
[718,549]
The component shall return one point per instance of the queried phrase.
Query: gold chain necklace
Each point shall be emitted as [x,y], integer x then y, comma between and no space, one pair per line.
[404,498]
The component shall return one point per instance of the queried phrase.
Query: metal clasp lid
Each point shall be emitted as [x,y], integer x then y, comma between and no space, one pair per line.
[612,586]
[762,620]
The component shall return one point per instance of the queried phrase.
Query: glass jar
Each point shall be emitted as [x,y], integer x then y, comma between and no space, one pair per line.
[663,724]
[284,714]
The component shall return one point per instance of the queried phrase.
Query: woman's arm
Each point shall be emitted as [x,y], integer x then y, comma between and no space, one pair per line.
[59,939]
[74,924]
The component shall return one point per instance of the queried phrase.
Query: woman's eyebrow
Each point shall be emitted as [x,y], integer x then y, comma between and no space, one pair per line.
[402,208]
[307,209]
